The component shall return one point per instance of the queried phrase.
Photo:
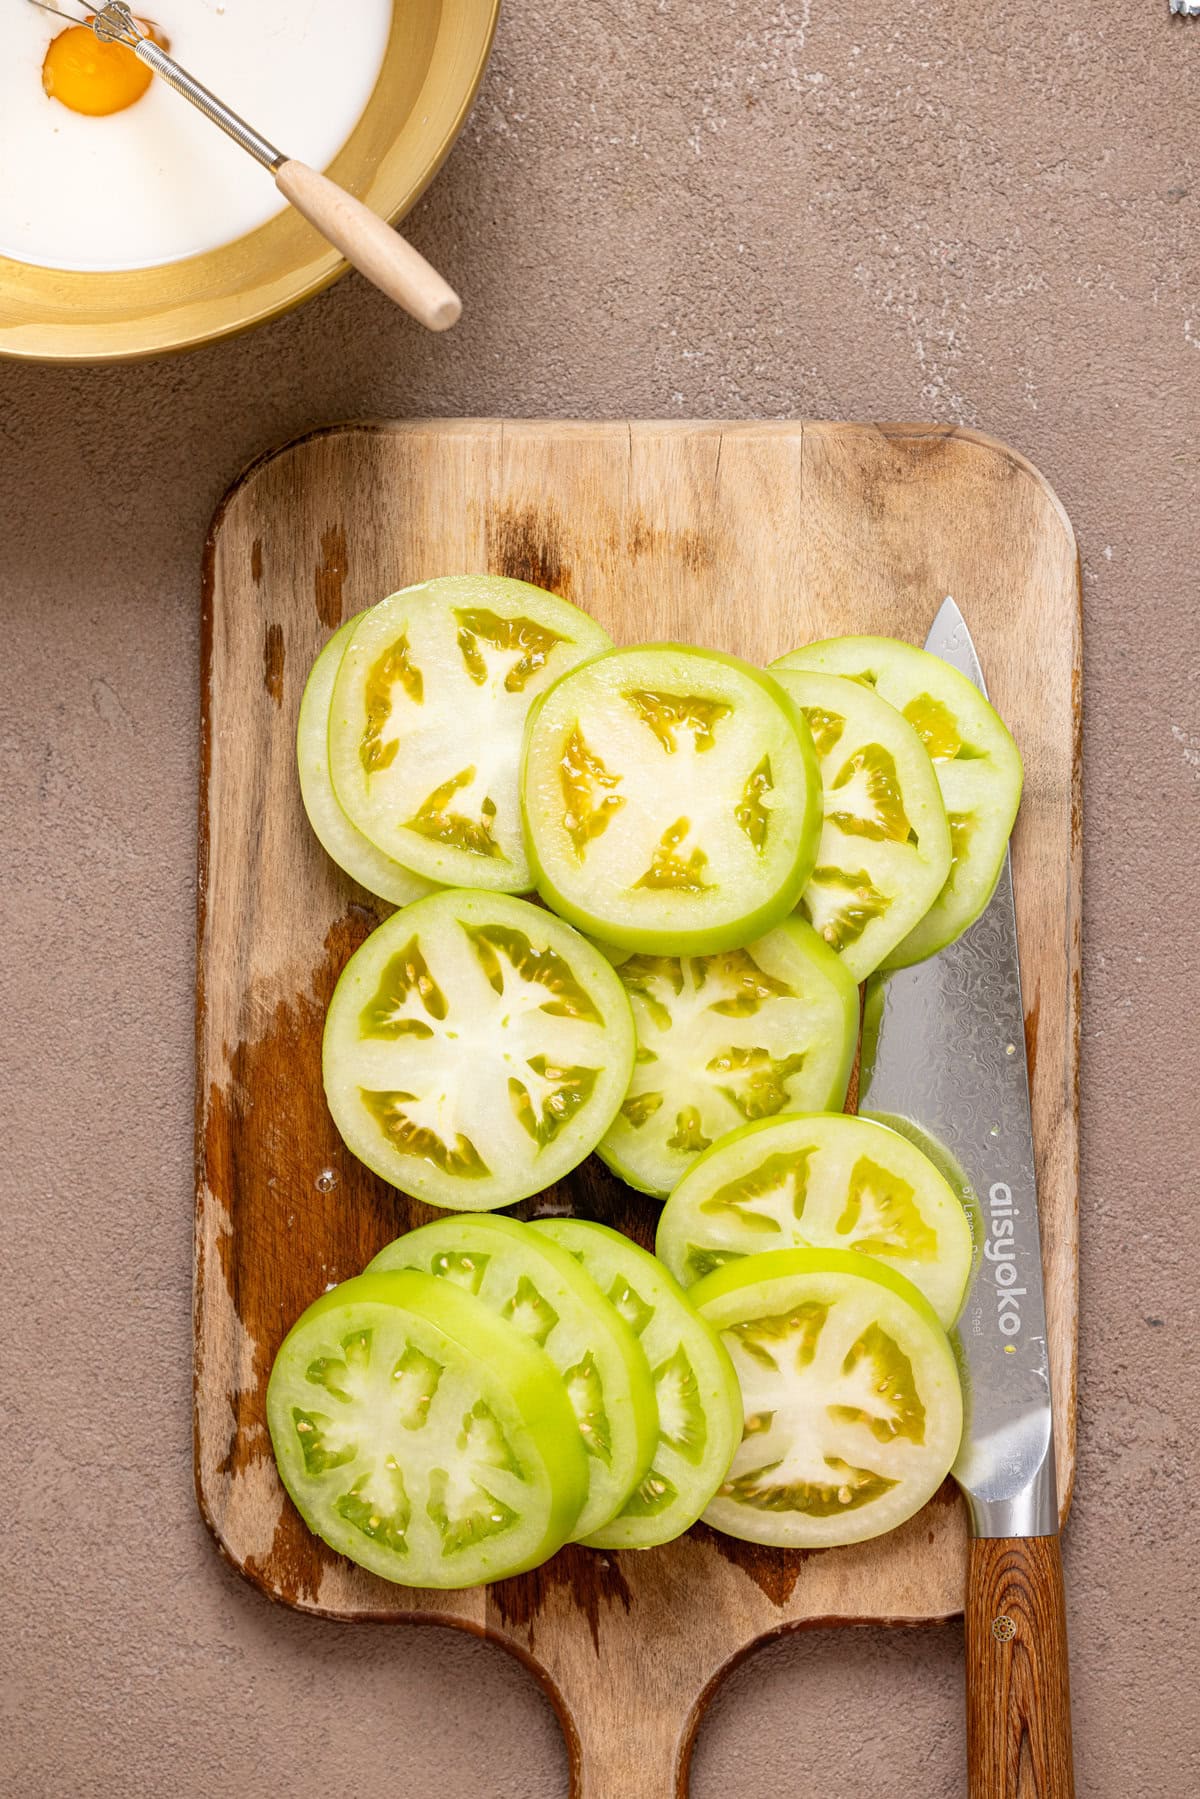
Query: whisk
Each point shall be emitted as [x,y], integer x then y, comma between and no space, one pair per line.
[364,239]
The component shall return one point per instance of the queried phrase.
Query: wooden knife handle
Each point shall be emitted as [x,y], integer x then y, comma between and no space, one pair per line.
[1018,1692]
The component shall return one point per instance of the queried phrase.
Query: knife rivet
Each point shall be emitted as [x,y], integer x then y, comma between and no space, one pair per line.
[1003,1629]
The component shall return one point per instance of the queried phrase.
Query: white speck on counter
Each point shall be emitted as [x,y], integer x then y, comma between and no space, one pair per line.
[1191,748]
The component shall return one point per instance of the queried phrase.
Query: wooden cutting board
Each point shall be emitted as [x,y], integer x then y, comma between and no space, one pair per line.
[746,537]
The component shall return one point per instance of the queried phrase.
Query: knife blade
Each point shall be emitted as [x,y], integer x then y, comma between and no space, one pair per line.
[943,1060]
[944,1056]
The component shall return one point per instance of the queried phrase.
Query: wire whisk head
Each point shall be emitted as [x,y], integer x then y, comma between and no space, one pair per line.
[112,23]
[115,24]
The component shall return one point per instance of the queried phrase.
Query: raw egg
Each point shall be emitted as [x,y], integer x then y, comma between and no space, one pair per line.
[95,78]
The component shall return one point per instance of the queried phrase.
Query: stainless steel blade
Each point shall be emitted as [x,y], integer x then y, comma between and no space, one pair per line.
[944,1059]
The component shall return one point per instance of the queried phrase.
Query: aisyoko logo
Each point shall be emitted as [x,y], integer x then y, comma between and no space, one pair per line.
[1000,1250]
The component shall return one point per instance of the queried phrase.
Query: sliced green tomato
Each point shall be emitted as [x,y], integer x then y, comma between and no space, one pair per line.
[850,1393]
[425,724]
[671,800]
[537,1286]
[726,1039]
[353,852]
[884,853]
[476,1049]
[422,1436]
[977,764]
[823,1181]
[699,1402]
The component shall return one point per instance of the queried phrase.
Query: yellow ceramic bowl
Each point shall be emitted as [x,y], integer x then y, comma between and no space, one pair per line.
[433,64]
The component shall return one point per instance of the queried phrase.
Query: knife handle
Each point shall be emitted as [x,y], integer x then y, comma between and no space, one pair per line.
[1018,1692]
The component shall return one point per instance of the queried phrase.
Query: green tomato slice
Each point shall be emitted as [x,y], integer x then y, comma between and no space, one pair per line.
[850,1392]
[476,1049]
[978,767]
[341,840]
[671,800]
[422,1436]
[884,853]
[825,1181]
[699,1402]
[540,1288]
[426,719]
[727,1039]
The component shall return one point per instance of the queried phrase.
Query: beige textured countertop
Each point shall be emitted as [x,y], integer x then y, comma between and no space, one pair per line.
[982,215]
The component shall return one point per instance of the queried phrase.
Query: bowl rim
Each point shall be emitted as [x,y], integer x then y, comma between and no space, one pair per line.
[473,22]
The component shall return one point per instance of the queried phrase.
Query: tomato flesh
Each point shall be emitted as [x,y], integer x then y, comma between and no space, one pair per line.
[341,840]
[426,719]
[850,1392]
[723,1039]
[538,1287]
[884,853]
[670,799]
[423,1437]
[826,1181]
[698,1399]
[978,767]
[476,1049]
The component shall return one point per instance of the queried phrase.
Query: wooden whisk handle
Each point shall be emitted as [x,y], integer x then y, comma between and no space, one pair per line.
[369,242]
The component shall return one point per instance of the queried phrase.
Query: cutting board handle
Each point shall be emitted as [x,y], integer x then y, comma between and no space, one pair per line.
[631,1761]
[629,1718]
[1018,1692]
[622,1748]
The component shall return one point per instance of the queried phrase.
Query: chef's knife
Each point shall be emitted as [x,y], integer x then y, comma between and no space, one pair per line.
[944,1059]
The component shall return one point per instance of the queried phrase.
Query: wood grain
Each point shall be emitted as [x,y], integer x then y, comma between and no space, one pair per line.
[1018,1691]
[751,538]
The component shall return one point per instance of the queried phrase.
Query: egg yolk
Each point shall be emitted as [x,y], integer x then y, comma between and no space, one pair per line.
[91,77]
